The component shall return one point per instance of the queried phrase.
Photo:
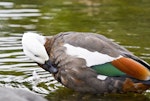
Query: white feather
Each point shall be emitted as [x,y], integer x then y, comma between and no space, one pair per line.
[92,58]
[101,77]
[33,47]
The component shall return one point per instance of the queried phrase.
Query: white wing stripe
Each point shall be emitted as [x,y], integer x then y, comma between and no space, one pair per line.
[92,58]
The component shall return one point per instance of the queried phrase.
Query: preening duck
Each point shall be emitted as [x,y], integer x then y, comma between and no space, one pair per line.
[88,62]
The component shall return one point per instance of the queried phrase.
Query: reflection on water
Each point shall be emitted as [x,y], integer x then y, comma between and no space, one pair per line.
[6,4]
[124,21]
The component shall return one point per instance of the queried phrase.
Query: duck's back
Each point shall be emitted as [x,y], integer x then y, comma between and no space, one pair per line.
[70,52]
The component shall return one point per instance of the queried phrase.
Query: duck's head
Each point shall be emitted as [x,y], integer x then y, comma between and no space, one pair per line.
[33,47]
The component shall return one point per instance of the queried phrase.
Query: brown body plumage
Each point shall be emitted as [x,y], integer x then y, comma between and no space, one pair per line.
[73,73]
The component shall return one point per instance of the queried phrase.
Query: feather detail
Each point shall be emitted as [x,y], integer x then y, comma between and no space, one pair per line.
[107,69]
[132,68]
[130,86]
[91,58]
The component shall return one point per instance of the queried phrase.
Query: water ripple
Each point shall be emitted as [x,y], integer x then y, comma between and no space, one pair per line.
[7,4]
[11,54]
[9,11]
[10,48]
[19,13]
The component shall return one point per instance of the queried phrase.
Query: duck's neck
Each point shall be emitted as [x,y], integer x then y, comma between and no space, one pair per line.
[48,44]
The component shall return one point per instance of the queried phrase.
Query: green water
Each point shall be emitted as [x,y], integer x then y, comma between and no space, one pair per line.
[127,22]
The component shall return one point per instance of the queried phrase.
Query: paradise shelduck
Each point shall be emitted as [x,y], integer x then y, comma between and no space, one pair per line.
[88,62]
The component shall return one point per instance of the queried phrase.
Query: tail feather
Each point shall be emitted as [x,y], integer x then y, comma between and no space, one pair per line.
[131,86]
[132,68]
[143,63]
[146,82]
[138,60]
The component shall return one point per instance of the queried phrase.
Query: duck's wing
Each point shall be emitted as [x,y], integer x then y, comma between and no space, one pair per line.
[105,56]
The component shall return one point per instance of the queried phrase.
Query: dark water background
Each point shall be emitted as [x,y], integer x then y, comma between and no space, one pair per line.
[127,22]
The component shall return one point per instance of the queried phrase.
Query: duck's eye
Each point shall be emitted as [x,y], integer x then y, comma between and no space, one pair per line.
[36,55]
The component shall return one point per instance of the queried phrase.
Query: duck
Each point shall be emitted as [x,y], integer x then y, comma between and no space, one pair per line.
[88,62]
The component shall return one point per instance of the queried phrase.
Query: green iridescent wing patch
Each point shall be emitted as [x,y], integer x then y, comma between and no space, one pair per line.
[107,69]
